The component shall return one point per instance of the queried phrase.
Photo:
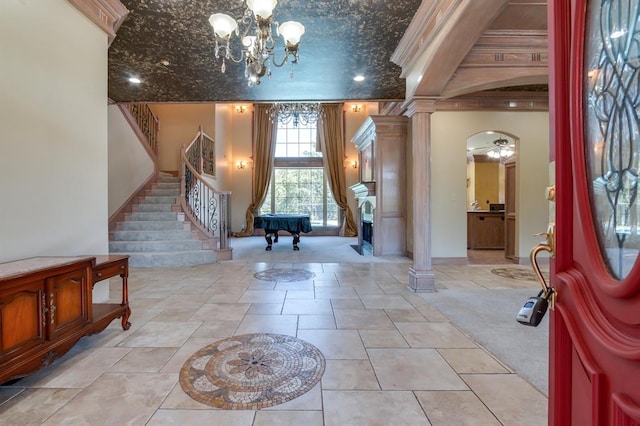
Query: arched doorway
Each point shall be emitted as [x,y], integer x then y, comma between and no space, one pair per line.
[491,157]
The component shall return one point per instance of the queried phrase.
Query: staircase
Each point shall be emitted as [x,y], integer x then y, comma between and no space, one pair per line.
[156,234]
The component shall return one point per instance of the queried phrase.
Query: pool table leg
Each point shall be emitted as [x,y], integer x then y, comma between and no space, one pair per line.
[271,235]
[267,236]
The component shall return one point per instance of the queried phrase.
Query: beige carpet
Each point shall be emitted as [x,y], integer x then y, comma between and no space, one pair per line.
[312,249]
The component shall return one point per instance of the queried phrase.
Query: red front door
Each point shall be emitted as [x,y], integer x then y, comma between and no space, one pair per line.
[594,84]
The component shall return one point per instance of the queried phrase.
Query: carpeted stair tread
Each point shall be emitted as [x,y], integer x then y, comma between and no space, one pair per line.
[167,185]
[154,208]
[154,216]
[165,192]
[144,235]
[157,245]
[155,235]
[151,225]
[160,199]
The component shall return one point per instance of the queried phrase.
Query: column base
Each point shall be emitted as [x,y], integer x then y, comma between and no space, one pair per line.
[224,254]
[422,281]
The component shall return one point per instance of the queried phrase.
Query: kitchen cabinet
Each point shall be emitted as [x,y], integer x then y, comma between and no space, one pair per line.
[485,230]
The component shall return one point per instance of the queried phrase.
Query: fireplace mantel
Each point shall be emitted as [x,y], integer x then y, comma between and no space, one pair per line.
[364,191]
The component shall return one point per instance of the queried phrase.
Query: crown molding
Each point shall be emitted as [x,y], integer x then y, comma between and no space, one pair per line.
[497,101]
[106,14]
[428,21]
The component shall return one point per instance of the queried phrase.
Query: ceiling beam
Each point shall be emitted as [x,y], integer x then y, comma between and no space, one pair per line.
[426,53]
[477,79]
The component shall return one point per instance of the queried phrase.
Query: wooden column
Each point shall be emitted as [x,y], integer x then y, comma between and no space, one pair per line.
[421,276]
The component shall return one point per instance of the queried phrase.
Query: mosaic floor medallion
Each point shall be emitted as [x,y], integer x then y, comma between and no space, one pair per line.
[518,274]
[284,275]
[252,371]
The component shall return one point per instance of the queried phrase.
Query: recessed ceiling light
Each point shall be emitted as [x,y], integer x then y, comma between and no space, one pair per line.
[165,62]
[135,80]
[358,78]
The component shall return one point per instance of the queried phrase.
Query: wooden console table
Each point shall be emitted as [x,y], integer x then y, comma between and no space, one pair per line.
[46,306]
[104,268]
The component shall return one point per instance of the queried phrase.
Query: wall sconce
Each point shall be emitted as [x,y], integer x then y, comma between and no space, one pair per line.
[241,108]
[354,164]
[241,164]
[356,107]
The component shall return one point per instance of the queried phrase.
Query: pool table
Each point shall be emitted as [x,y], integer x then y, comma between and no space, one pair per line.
[292,223]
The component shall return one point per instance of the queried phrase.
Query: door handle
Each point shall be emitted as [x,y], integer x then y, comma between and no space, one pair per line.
[549,246]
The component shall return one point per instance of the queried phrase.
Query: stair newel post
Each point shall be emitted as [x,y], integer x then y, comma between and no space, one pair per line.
[224,218]
[204,203]
[204,206]
[183,172]
[154,131]
[200,147]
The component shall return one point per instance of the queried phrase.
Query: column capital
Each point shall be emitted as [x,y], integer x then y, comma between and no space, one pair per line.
[419,104]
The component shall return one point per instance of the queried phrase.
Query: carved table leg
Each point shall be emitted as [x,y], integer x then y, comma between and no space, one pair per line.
[296,240]
[125,302]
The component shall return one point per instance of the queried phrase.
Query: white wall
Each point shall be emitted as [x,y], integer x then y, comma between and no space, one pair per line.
[532,177]
[53,131]
[449,134]
[223,146]
[129,163]
[240,134]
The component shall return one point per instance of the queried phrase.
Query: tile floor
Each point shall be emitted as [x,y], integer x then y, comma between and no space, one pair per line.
[391,357]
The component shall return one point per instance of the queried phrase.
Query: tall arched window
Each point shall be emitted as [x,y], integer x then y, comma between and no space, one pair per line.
[298,184]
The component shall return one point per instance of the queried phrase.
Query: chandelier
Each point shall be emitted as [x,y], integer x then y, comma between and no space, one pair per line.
[257,46]
[298,112]
[502,150]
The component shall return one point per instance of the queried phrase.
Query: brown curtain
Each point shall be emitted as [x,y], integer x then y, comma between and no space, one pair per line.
[264,147]
[331,143]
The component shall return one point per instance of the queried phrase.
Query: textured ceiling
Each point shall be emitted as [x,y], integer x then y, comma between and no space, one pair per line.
[342,38]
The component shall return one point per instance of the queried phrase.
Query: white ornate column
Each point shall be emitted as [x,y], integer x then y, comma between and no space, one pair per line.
[421,276]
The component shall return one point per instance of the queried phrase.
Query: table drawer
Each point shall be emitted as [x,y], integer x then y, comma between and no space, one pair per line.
[102,272]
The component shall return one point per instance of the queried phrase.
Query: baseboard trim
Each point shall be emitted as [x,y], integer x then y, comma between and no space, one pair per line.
[449,261]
